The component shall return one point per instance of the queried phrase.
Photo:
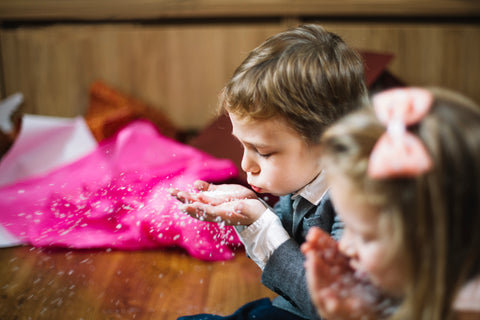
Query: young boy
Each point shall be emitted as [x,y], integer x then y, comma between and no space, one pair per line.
[279,100]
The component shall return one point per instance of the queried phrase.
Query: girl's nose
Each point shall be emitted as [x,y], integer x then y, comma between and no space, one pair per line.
[249,165]
[346,245]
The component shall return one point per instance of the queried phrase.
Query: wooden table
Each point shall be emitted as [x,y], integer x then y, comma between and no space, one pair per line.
[40,283]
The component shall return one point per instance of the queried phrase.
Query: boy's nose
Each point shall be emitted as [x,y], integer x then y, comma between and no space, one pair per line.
[249,165]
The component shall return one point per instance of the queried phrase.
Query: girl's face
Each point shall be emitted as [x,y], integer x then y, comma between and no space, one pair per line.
[275,157]
[366,239]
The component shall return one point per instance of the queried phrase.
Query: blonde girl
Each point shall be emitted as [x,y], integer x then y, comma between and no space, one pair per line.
[404,177]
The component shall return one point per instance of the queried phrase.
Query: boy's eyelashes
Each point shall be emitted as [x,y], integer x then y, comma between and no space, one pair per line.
[254,149]
[264,155]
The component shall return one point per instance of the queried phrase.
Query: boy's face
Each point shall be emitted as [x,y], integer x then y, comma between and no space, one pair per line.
[275,157]
[366,239]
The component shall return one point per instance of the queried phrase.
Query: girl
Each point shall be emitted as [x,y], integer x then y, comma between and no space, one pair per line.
[404,177]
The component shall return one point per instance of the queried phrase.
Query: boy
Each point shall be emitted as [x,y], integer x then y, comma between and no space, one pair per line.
[279,100]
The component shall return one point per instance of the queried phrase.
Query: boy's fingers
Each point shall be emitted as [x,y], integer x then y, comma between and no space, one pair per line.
[203,185]
[187,196]
[173,191]
[181,195]
[206,212]
[213,200]
[195,211]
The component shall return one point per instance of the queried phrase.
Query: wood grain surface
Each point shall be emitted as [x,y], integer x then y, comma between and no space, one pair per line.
[103,284]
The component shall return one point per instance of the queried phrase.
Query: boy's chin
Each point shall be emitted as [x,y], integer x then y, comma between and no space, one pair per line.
[276,194]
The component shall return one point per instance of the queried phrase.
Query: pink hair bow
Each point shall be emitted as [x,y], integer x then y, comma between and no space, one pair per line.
[397,152]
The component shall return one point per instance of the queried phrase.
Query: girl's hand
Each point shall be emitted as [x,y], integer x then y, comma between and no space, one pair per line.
[213,194]
[336,289]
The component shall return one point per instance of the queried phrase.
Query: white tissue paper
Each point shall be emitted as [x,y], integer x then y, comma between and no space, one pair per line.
[43,144]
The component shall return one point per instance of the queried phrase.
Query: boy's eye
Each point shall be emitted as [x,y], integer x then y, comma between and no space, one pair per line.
[265,155]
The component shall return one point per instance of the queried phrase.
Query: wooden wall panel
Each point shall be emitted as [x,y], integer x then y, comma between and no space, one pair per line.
[161,9]
[426,54]
[180,68]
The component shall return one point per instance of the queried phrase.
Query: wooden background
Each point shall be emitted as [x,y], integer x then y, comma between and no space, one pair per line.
[177,55]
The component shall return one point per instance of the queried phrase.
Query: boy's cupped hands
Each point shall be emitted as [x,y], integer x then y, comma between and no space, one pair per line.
[231,204]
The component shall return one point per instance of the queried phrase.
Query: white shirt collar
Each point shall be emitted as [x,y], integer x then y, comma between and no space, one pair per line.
[314,191]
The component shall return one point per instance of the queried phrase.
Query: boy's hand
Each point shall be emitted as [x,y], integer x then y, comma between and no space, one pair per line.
[233,213]
[228,203]
[213,194]
[336,290]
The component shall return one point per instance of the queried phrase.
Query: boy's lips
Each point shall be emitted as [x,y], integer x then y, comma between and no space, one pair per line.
[256,189]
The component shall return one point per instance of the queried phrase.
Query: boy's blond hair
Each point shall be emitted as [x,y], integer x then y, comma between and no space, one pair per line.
[306,75]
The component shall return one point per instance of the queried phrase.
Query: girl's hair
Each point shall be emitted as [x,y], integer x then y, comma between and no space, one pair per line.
[437,214]
[306,75]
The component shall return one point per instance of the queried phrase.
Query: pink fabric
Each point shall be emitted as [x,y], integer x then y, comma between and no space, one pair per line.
[116,197]
[398,153]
